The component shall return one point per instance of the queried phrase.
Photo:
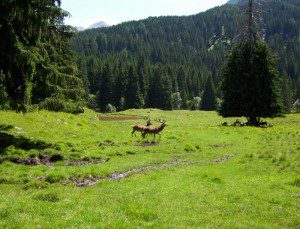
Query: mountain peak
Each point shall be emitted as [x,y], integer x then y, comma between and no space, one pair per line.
[99,24]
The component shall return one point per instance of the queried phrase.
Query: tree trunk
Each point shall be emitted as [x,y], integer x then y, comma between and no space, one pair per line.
[253,121]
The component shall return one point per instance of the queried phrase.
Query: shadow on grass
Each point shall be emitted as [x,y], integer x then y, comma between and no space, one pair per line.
[20,142]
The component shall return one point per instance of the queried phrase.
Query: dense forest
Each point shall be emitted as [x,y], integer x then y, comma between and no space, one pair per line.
[165,62]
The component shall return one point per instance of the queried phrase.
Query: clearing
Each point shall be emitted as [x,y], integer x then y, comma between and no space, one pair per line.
[63,170]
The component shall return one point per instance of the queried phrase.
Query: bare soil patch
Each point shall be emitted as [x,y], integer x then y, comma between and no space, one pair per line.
[223,158]
[82,162]
[146,144]
[47,159]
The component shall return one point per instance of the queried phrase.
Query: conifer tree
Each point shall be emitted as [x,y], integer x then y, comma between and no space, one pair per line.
[209,99]
[105,94]
[133,98]
[287,93]
[250,84]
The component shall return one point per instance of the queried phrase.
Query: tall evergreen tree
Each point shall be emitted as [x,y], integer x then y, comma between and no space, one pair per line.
[209,99]
[251,83]
[288,96]
[133,98]
[160,93]
[105,94]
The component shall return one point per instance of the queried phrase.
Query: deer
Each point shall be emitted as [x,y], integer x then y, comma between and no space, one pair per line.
[140,128]
[154,129]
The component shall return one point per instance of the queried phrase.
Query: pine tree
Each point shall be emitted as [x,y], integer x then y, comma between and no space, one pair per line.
[105,94]
[251,83]
[160,93]
[288,95]
[134,98]
[209,99]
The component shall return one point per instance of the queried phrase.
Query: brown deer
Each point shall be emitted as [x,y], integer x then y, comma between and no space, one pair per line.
[154,129]
[140,128]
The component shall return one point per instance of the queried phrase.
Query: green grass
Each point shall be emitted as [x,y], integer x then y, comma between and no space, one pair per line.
[257,185]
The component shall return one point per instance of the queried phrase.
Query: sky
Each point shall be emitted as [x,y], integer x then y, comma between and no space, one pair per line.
[87,12]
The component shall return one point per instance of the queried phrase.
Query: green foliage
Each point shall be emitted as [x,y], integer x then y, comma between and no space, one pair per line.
[4,101]
[160,90]
[134,97]
[209,99]
[288,96]
[296,106]
[188,48]
[195,103]
[176,100]
[59,105]
[110,109]
[251,83]
[35,58]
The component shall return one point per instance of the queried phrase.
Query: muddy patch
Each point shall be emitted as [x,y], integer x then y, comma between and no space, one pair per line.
[219,146]
[223,158]
[25,161]
[48,160]
[108,143]
[146,144]
[119,118]
[85,182]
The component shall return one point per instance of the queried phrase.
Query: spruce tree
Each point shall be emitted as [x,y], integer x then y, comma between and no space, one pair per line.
[287,93]
[133,98]
[209,99]
[105,94]
[250,85]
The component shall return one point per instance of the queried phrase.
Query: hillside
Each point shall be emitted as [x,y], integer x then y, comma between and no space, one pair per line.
[190,48]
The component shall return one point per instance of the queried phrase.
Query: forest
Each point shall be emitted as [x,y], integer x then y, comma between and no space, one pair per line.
[166,62]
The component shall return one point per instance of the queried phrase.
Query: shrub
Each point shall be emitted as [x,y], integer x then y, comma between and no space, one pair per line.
[92,102]
[195,103]
[296,106]
[59,105]
[110,109]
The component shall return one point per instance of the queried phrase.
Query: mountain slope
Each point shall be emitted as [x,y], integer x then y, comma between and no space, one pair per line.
[196,43]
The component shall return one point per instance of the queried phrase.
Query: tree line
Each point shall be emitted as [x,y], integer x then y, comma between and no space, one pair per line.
[187,50]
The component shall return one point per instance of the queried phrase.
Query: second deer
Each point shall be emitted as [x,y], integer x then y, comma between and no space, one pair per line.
[154,129]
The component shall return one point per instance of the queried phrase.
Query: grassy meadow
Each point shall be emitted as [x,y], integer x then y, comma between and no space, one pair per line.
[197,174]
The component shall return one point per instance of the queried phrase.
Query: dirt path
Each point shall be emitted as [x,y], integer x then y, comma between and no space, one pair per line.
[121,175]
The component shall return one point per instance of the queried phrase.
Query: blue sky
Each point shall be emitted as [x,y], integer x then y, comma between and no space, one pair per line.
[86,12]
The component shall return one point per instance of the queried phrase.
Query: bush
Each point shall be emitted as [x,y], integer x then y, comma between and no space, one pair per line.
[195,103]
[110,109]
[296,106]
[92,102]
[59,105]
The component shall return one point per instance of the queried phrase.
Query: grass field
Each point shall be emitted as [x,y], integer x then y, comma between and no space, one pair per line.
[197,174]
